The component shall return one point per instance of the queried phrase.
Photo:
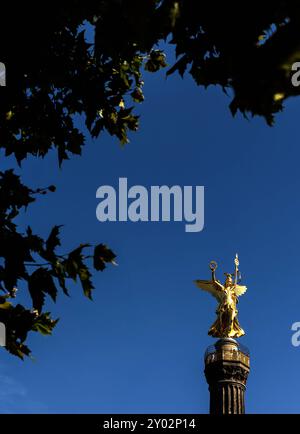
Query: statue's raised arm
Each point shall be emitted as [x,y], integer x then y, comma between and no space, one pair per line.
[213,286]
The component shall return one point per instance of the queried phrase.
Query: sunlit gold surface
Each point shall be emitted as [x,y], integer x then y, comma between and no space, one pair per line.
[226,324]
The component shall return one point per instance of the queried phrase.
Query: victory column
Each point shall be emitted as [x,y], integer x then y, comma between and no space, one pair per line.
[227,362]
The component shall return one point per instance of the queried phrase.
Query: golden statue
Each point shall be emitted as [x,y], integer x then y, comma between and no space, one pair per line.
[226,324]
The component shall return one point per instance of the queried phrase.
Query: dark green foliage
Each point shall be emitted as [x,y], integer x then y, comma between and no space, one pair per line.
[102,256]
[54,74]
[22,254]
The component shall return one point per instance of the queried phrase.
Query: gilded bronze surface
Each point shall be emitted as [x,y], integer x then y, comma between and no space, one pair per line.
[226,324]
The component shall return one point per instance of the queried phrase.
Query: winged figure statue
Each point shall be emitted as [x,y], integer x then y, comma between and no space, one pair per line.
[226,324]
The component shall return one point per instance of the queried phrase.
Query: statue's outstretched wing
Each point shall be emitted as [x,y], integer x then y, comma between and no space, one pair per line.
[211,286]
[239,290]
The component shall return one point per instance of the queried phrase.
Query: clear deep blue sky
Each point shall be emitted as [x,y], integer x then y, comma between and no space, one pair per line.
[139,346]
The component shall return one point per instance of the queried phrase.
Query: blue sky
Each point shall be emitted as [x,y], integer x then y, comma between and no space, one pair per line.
[138,347]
